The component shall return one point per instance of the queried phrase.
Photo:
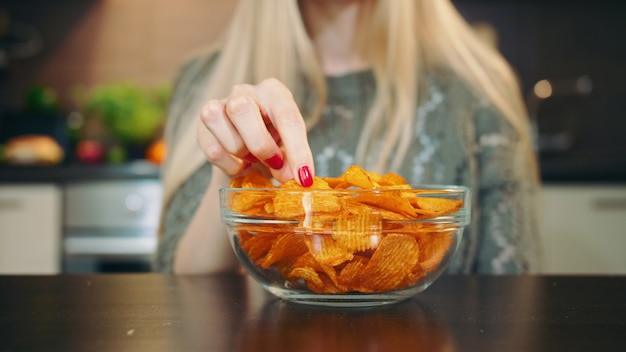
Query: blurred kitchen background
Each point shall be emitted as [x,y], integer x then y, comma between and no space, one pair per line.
[84,85]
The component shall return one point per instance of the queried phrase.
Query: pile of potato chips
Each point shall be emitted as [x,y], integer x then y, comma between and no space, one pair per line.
[344,234]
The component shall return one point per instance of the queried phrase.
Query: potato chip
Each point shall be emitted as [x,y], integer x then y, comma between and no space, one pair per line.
[318,183]
[326,250]
[434,247]
[414,276]
[358,177]
[329,285]
[326,272]
[308,260]
[285,246]
[256,246]
[308,274]
[388,201]
[256,180]
[350,274]
[419,230]
[243,237]
[337,182]
[252,179]
[289,205]
[438,206]
[236,182]
[354,207]
[399,187]
[250,202]
[392,179]
[390,264]
[374,176]
[358,232]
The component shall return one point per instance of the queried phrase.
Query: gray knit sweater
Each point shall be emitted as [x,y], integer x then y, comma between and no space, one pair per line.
[458,140]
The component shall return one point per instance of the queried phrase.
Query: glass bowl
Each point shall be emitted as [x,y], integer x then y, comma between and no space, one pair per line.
[345,247]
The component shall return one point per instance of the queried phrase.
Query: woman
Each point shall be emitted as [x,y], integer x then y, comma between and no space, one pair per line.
[304,88]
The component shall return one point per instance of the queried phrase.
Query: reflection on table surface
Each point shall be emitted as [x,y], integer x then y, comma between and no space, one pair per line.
[282,326]
[139,312]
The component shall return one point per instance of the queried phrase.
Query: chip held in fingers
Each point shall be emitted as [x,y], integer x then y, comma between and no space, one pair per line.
[358,237]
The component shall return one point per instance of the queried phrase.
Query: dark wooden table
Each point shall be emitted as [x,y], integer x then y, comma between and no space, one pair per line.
[151,312]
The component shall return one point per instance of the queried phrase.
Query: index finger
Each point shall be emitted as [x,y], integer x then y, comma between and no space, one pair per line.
[282,111]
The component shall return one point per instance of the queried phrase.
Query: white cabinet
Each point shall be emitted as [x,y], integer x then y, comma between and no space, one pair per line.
[584,229]
[30,228]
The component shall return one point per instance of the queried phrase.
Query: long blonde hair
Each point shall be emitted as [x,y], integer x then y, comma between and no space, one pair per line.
[267,38]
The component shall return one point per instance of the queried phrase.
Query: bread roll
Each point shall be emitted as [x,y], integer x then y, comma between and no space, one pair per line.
[33,149]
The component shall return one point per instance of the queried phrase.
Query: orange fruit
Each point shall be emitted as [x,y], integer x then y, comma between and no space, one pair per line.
[156,151]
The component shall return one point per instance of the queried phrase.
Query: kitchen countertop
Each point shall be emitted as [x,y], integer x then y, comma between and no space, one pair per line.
[155,312]
[553,170]
[78,172]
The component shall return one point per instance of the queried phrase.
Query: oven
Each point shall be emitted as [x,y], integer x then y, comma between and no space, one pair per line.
[571,60]
[110,226]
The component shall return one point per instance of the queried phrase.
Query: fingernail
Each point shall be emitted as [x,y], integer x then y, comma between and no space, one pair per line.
[251,158]
[212,107]
[305,176]
[275,162]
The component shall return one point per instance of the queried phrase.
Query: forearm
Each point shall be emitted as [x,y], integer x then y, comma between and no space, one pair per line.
[205,247]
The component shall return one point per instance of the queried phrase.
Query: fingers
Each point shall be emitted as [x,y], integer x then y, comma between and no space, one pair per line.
[217,155]
[257,123]
[214,119]
[245,113]
[286,118]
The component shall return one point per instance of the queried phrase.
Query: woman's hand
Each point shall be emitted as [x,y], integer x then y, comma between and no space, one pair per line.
[258,124]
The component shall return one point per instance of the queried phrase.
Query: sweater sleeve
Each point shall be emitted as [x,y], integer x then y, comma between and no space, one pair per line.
[508,191]
[178,212]
[177,216]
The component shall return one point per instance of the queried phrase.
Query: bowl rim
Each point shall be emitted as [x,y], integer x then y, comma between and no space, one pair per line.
[450,189]
[460,218]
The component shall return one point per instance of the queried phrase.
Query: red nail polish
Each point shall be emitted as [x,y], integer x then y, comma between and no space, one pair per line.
[305,176]
[275,162]
[251,158]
